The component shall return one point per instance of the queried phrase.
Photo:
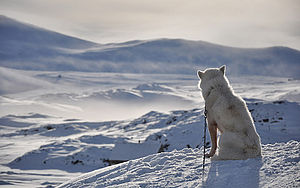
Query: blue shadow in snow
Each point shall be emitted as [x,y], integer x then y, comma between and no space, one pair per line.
[234,173]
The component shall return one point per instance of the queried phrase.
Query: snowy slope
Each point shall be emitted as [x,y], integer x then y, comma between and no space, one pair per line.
[92,144]
[279,166]
[86,95]
[59,120]
[78,146]
[24,46]
[23,33]
[183,56]
[14,81]
[182,168]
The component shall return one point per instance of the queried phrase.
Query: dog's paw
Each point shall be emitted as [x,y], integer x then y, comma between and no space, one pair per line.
[215,158]
[209,155]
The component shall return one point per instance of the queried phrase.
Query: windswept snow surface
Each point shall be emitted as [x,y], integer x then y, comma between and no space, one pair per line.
[69,123]
[279,167]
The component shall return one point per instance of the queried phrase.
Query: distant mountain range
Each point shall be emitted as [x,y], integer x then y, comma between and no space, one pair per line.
[27,47]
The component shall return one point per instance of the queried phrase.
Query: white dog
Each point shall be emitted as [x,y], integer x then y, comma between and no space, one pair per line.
[229,114]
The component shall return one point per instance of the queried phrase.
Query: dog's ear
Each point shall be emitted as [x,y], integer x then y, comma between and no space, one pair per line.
[222,69]
[200,74]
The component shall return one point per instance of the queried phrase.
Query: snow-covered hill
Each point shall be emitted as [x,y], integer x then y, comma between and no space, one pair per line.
[78,146]
[182,168]
[14,81]
[55,130]
[16,32]
[275,122]
[24,46]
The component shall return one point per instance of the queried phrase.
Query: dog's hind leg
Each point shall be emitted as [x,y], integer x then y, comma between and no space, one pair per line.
[231,146]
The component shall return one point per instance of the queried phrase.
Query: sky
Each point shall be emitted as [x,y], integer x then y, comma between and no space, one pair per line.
[237,23]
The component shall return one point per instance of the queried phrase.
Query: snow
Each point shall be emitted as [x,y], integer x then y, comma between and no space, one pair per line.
[47,50]
[84,95]
[279,167]
[60,127]
[34,144]
[130,151]
[21,82]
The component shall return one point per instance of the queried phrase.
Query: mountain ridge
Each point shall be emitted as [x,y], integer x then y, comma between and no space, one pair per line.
[28,47]
[20,30]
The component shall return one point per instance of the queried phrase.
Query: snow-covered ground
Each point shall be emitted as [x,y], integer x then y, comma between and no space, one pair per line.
[279,167]
[56,126]
[59,126]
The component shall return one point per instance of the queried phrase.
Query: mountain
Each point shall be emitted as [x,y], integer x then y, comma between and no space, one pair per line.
[14,31]
[24,46]
[183,56]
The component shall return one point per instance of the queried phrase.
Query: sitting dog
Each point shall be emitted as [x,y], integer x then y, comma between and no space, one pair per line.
[229,114]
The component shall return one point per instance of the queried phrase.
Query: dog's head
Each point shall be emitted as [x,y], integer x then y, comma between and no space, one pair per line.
[210,77]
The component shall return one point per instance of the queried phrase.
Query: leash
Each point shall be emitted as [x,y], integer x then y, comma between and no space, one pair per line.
[204,139]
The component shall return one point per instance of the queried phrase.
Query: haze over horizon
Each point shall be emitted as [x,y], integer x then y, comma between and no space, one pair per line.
[248,24]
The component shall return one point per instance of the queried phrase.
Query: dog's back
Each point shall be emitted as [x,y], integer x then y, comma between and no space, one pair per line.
[233,116]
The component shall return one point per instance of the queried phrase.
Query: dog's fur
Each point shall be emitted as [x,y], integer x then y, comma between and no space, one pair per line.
[229,114]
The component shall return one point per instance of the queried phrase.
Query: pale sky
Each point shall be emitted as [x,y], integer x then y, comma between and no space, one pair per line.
[237,23]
